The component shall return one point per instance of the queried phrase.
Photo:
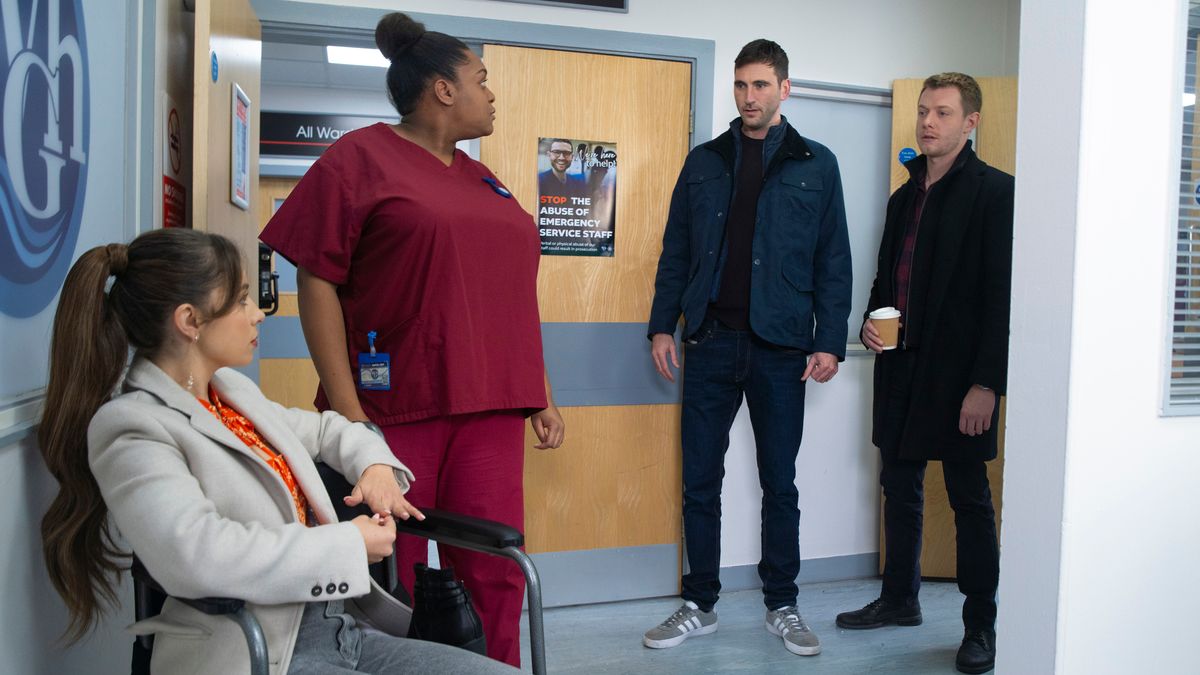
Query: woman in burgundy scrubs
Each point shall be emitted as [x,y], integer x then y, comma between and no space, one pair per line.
[417,280]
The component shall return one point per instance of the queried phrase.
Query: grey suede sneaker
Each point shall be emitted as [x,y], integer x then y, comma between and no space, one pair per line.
[787,623]
[687,621]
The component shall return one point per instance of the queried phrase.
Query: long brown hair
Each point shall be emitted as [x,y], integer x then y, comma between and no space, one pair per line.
[93,330]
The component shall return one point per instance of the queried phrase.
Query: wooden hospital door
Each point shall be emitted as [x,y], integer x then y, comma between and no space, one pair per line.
[228,32]
[616,482]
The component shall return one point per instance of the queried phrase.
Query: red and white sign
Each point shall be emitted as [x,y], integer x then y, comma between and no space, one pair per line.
[174,191]
[174,203]
[174,142]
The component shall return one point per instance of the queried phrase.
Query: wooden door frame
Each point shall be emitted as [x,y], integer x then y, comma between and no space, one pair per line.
[305,23]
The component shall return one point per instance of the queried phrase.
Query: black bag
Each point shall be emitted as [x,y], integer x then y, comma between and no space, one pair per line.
[442,611]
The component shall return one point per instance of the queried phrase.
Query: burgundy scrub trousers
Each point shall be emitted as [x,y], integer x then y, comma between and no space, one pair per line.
[477,459]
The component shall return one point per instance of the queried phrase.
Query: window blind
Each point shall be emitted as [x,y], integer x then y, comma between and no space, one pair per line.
[1183,383]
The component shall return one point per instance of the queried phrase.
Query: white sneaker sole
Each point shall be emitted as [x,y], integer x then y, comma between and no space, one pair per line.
[678,639]
[795,649]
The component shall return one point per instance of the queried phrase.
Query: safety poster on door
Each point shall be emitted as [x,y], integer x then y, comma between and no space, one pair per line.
[577,196]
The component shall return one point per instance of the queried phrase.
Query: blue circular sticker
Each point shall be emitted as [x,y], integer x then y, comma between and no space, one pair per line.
[1197,193]
[906,154]
[214,66]
[45,86]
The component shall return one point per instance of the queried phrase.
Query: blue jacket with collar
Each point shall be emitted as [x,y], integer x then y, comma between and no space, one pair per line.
[800,282]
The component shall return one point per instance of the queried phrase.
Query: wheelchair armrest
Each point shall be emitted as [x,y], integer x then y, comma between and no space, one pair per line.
[439,523]
[215,606]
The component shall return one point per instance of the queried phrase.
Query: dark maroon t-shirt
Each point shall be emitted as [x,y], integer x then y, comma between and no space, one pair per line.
[435,260]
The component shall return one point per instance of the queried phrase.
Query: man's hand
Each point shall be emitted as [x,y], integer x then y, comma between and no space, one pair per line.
[379,489]
[662,346]
[549,427]
[871,337]
[976,414]
[821,367]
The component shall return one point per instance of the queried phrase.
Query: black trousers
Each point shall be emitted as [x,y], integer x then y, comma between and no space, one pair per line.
[970,496]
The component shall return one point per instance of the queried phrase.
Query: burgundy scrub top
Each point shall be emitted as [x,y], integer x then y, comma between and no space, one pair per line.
[436,259]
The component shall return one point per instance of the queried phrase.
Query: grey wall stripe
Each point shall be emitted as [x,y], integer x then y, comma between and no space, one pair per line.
[589,363]
[611,574]
[608,574]
[287,274]
[280,337]
[812,571]
[603,364]
[276,168]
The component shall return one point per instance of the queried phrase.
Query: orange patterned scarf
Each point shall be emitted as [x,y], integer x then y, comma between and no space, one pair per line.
[244,429]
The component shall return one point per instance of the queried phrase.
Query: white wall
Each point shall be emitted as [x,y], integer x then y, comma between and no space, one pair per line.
[836,473]
[866,43]
[1100,537]
[31,613]
[1043,281]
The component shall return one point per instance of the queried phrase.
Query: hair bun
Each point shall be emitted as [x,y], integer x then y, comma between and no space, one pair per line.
[118,258]
[396,33]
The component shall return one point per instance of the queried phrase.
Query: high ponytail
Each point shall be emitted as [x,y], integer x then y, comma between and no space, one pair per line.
[417,56]
[89,349]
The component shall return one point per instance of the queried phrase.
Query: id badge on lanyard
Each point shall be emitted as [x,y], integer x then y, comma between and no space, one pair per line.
[374,369]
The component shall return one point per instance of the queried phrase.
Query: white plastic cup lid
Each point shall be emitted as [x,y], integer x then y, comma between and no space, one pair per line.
[885,313]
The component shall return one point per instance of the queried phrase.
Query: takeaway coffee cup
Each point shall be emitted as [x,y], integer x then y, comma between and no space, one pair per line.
[887,322]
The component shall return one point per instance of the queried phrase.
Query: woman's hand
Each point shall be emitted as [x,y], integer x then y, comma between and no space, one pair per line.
[378,488]
[379,535]
[549,427]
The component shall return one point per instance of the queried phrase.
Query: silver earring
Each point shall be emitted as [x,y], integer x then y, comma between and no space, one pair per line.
[196,337]
[191,382]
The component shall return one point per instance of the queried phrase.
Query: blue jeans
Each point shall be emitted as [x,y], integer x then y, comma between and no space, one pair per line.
[330,642]
[721,366]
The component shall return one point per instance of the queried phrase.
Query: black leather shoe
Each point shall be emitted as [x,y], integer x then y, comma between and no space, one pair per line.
[882,612]
[978,651]
[442,611]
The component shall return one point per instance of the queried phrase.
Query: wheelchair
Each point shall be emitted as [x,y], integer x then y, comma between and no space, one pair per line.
[444,527]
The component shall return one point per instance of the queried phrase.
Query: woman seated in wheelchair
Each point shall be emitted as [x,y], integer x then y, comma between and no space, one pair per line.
[211,484]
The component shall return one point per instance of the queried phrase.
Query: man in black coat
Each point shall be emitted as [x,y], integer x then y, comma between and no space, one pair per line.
[946,263]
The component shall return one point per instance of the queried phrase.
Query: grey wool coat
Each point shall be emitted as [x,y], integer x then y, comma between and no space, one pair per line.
[208,517]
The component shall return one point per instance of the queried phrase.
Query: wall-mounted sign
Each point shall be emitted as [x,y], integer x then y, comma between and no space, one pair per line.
[174,192]
[577,196]
[306,134]
[44,123]
[239,154]
[174,203]
[602,5]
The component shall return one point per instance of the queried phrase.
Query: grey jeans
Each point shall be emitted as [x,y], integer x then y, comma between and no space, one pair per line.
[330,642]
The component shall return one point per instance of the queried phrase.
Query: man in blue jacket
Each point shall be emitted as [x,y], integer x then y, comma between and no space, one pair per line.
[756,258]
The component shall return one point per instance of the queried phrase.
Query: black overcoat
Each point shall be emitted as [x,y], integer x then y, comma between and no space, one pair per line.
[958,307]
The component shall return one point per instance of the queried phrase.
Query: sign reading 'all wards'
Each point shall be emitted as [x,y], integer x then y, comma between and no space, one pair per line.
[306,134]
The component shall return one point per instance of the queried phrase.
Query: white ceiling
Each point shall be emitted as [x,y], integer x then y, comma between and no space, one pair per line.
[305,65]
